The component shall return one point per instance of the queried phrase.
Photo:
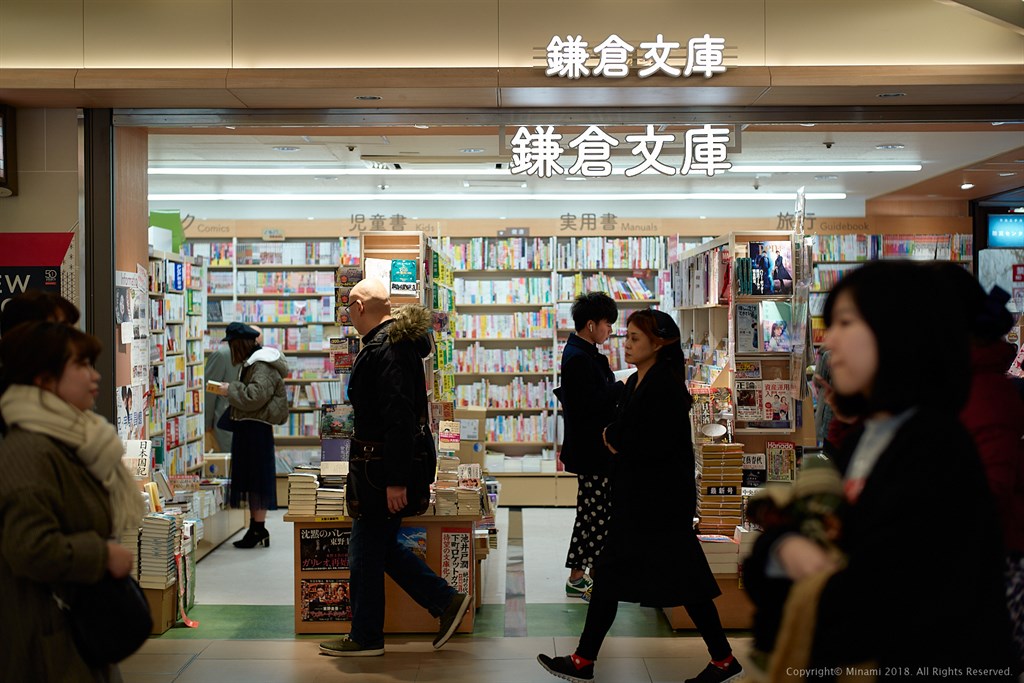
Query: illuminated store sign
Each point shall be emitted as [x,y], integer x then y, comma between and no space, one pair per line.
[568,57]
[538,152]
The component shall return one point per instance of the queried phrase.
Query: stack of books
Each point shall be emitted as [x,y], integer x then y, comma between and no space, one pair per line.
[721,551]
[719,480]
[469,500]
[157,545]
[302,494]
[330,502]
[446,501]
[447,472]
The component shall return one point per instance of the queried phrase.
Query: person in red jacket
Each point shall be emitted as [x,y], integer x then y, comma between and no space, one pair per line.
[994,416]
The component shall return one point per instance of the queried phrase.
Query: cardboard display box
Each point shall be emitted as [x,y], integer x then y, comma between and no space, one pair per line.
[217,465]
[163,606]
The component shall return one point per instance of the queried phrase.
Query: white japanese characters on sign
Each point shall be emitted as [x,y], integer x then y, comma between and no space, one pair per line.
[568,57]
[538,152]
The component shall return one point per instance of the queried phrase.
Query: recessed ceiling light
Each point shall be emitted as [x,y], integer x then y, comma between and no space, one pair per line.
[1006,175]
[286,149]
[967,186]
[368,98]
[895,145]
[471,150]
[826,177]
[891,94]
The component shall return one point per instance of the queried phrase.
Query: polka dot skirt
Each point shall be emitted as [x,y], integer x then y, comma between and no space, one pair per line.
[593,514]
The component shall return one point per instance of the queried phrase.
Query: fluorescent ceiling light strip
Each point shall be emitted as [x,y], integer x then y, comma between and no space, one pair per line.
[824,168]
[737,168]
[399,197]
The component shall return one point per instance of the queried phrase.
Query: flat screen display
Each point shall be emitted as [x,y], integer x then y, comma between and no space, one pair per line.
[1006,231]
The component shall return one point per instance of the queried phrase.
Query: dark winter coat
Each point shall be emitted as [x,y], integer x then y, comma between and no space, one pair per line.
[388,388]
[588,394]
[54,522]
[259,392]
[994,416]
[654,498]
[924,585]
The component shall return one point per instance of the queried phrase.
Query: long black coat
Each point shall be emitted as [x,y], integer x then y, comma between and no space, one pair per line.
[654,498]
[924,586]
[588,395]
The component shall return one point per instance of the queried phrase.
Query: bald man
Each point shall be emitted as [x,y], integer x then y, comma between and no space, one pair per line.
[387,390]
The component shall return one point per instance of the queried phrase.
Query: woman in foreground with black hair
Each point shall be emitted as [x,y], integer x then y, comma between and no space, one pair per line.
[652,487]
[920,591]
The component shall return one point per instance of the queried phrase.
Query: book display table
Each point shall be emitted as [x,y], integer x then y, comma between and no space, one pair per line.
[321,576]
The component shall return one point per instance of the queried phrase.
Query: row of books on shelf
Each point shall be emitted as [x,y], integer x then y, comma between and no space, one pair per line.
[299,424]
[517,394]
[522,290]
[586,253]
[252,282]
[523,428]
[182,458]
[306,367]
[620,289]
[344,250]
[702,279]
[313,310]
[167,276]
[492,253]
[314,394]
[479,358]
[520,325]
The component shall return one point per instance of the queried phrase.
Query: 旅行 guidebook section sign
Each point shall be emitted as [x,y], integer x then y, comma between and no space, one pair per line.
[31,260]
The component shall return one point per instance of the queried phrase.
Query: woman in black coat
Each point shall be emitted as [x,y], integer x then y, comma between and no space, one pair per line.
[920,594]
[651,450]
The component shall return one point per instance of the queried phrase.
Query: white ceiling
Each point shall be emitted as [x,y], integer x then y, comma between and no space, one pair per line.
[939,149]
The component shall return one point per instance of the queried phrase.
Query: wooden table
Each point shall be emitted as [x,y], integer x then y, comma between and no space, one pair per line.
[321,574]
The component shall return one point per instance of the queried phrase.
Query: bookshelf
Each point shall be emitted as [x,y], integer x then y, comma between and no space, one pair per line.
[514,297]
[837,255]
[287,288]
[177,301]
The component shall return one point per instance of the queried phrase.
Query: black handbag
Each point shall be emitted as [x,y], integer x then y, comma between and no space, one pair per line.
[366,485]
[109,620]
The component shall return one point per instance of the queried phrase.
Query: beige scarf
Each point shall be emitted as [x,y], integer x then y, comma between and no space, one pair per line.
[94,440]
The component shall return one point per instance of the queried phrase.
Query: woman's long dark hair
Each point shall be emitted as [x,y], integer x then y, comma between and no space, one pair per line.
[659,326]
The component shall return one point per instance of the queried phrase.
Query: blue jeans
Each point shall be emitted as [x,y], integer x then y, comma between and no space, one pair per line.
[374,549]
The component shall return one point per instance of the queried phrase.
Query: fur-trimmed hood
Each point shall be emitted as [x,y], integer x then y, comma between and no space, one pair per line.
[412,324]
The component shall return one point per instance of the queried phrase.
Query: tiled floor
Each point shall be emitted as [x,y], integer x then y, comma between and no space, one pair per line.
[245,633]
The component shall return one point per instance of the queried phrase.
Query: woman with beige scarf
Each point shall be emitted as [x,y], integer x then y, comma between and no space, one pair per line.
[63,495]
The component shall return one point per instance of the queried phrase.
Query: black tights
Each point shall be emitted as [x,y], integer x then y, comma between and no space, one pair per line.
[604,606]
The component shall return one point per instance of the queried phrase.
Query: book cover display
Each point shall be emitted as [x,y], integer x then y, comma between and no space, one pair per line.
[771,268]
[781,460]
[748,335]
[776,319]
[404,280]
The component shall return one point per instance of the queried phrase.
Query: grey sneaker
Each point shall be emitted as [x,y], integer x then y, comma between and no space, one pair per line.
[451,618]
[346,647]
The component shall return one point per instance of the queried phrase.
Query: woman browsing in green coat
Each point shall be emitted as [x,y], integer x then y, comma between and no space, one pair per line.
[63,495]
[257,403]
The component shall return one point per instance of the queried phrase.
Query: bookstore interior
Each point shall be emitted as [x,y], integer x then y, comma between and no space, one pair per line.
[738,231]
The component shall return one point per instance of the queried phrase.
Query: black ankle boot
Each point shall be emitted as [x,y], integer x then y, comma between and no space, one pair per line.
[254,536]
